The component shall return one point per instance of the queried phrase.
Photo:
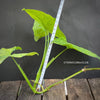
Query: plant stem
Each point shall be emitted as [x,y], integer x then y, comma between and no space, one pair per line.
[41,65]
[59,82]
[54,58]
[52,85]
[24,75]
[49,63]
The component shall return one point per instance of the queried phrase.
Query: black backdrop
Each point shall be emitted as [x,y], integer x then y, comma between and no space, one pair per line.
[80,21]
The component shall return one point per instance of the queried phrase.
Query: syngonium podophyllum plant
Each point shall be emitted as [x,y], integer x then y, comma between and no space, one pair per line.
[43,27]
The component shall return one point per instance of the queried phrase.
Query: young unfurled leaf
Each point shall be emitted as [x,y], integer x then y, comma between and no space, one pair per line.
[63,42]
[45,22]
[5,53]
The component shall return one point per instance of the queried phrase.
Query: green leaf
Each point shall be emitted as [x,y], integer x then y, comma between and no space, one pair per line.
[5,53]
[20,55]
[45,22]
[39,31]
[60,41]
[63,42]
[82,50]
[24,75]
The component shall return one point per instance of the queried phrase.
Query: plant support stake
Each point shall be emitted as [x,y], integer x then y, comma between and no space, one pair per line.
[50,44]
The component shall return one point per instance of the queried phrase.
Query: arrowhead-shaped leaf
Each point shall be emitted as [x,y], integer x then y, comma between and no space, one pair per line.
[45,23]
[7,52]
[63,42]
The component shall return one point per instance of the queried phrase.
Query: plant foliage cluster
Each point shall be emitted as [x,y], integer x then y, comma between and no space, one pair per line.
[43,27]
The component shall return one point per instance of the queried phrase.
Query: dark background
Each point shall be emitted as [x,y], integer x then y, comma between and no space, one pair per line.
[80,21]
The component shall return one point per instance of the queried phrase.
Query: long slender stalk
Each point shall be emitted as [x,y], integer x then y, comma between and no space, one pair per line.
[54,58]
[57,83]
[24,75]
[41,65]
[49,63]
[52,85]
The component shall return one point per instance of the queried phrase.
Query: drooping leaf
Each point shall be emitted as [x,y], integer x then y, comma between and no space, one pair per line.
[46,20]
[20,55]
[63,42]
[7,52]
[39,31]
[82,50]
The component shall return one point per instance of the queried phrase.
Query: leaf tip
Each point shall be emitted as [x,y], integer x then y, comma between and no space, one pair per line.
[23,9]
[0,62]
[37,54]
[18,48]
[36,39]
[99,58]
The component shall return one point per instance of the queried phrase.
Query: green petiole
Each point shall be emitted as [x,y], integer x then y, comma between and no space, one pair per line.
[57,83]
[54,58]
[52,85]
[49,63]
[83,70]
[24,75]
[42,62]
